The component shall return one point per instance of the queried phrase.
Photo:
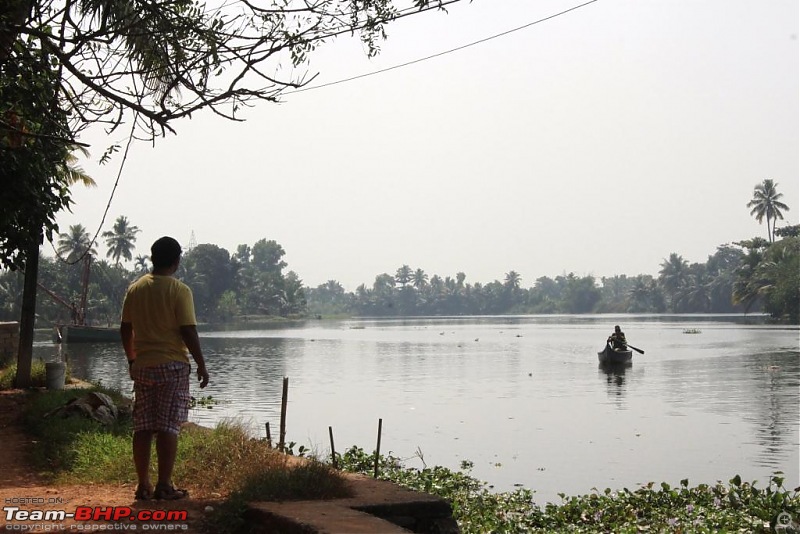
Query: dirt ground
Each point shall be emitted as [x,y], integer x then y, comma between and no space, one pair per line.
[21,487]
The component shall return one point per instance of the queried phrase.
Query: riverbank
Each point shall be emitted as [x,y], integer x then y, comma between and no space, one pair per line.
[38,499]
[22,485]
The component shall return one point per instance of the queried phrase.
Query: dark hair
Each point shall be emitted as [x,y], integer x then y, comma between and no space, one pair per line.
[165,252]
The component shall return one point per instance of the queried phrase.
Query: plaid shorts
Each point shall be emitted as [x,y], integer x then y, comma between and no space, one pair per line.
[161,397]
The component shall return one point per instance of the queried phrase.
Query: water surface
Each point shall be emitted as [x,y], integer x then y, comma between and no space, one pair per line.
[521,397]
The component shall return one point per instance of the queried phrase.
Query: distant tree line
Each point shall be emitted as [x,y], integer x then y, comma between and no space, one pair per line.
[748,276]
[745,277]
[755,275]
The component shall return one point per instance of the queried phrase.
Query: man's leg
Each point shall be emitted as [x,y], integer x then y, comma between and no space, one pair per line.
[141,456]
[167,450]
[173,411]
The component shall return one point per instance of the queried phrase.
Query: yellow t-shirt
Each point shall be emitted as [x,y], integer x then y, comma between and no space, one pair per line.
[157,306]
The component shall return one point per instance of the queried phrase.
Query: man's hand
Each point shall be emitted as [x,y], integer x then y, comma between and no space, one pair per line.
[202,376]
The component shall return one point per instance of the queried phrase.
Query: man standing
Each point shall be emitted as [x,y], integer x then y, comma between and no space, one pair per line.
[158,328]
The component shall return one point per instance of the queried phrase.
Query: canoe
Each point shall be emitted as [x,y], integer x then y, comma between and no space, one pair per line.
[613,356]
[90,334]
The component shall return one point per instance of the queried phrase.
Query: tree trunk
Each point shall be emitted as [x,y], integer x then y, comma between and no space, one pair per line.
[28,317]
[769,232]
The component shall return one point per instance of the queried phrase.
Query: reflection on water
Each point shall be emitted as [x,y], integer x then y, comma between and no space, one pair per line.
[614,374]
[521,397]
[775,408]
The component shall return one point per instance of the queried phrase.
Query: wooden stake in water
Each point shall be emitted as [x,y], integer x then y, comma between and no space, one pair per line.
[378,448]
[333,449]
[284,398]
[269,437]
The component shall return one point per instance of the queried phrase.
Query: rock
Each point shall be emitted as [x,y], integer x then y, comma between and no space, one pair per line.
[95,405]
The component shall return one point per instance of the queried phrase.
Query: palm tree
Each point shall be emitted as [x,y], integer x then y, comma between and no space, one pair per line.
[674,272]
[696,296]
[639,295]
[333,287]
[673,277]
[750,285]
[512,280]
[403,275]
[140,263]
[67,173]
[121,239]
[419,279]
[765,203]
[460,277]
[75,244]
[74,174]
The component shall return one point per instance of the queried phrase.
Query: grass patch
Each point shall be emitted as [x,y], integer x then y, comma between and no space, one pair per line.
[101,457]
[224,461]
[229,461]
[222,458]
[76,447]
[38,375]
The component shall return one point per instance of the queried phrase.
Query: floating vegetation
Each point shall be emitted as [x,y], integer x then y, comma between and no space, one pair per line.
[736,506]
[204,402]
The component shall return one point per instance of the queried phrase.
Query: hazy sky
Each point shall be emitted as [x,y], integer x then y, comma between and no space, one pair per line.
[597,142]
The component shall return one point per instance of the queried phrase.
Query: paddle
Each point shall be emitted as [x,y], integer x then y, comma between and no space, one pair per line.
[640,351]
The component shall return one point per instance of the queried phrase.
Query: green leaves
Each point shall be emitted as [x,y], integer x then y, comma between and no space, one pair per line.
[737,507]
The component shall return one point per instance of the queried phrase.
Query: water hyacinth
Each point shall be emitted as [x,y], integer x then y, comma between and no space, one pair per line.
[733,507]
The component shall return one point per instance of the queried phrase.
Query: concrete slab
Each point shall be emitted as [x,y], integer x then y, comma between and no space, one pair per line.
[376,507]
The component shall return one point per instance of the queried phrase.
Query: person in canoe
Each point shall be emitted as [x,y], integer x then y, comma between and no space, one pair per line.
[617,339]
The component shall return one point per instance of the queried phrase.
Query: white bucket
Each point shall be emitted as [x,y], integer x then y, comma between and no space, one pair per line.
[55,374]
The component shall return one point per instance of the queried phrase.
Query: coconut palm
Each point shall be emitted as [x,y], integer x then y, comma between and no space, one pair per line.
[512,280]
[750,284]
[141,263]
[765,203]
[640,295]
[75,243]
[696,296]
[74,174]
[674,273]
[460,277]
[673,277]
[403,275]
[121,239]
[419,279]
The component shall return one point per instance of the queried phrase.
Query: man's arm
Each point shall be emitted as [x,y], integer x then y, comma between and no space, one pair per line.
[192,342]
[126,333]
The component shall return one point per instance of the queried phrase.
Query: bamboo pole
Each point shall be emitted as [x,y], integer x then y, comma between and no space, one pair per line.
[378,448]
[333,449]
[284,398]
